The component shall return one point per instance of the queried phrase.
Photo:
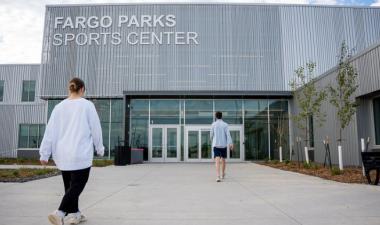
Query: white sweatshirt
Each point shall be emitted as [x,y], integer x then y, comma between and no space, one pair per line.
[71,134]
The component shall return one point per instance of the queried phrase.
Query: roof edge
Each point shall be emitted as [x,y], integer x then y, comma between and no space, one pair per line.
[353,58]
[210,3]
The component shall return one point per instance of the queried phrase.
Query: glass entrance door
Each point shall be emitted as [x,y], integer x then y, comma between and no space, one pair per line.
[198,144]
[164,143]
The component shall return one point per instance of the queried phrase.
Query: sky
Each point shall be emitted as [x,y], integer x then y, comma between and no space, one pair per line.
[22,21]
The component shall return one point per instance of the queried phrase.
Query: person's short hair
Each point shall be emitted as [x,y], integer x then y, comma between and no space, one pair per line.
[76,84]
[218,115]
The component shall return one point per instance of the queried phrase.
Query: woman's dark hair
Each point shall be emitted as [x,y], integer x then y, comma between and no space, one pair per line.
[76,84]
[218,115]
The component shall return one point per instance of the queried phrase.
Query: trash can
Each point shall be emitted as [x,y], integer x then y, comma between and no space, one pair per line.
[137,155]
[121,156]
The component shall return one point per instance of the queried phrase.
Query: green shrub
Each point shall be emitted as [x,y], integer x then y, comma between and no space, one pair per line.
[41,172]
[336,171]
[315,166]
[275,161]
[287,161]
[102,162]
[16,173]
[306,165]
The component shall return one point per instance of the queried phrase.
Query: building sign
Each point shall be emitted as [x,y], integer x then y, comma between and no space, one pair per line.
[85,34]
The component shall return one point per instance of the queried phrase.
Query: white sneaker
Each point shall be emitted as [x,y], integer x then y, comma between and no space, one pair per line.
[223,176]
[75,218]
[55,218]
[217,179]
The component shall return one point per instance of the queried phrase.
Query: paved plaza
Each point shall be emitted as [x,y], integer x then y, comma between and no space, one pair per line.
[183,193]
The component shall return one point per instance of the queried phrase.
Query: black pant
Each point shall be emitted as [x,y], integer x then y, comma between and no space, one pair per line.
[74,182]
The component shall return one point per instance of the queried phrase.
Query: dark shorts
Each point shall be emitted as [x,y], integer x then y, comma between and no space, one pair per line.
[220,152]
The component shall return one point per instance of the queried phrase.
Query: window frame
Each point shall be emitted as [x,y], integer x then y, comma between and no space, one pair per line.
[27,87]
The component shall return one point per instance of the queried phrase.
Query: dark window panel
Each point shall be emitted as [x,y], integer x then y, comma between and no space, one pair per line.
[1,90]
[28,90]
[376,116]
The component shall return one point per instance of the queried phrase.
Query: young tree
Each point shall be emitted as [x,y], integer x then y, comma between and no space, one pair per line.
[308,99]
[341,96]
[281,127]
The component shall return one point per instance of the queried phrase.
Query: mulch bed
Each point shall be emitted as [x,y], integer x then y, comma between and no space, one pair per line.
[348,175]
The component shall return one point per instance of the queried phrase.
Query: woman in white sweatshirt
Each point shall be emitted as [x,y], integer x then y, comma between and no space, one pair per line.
[71,134]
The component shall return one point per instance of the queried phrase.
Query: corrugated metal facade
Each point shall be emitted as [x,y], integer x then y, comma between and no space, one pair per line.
[367,64]
[241,47]
[15,112]
[12,117]
[13,76]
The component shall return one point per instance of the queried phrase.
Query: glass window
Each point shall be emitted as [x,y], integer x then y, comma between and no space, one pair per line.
[30,135]
[41,133]
[376,116]
[255,105]
[28,90]
[1,90]
[139,123]
[256,129]
[23,136]
[103,109]
[33,136]
[231,110]
[117,127]
[164,111]
[51,104]
[199,111]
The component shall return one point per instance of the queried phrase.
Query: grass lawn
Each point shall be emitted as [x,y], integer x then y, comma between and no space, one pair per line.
[26,174]
[20,161]
[348,175]
[102,162]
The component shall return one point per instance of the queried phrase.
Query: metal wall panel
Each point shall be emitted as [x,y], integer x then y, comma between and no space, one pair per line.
[368,68]
[315,33]
[11,117]
[241,47]
[13,75]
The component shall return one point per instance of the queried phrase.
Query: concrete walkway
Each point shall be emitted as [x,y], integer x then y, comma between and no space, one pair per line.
[182,194]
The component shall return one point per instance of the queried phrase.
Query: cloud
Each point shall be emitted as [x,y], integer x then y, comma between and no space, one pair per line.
[376,3]
[324,2]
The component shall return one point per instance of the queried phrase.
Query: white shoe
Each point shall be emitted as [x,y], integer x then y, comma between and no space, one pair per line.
[75,218]
[55,218]
[217,179]
[223,176]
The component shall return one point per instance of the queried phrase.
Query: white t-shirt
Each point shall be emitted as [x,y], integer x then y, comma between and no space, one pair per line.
[71,134]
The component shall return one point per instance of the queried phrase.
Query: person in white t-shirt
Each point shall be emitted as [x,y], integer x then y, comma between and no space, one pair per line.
[71,134]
